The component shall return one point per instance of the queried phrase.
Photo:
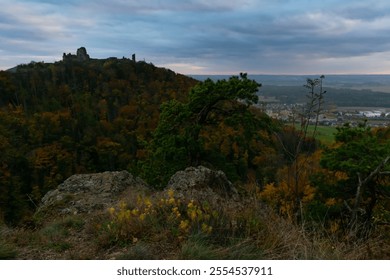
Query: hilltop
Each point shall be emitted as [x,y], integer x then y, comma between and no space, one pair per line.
[78,115]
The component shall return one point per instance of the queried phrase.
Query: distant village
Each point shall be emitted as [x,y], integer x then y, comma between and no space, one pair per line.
[330,116]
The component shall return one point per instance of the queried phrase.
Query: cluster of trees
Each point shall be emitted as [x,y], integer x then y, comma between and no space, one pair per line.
[72,117]
[344,187]
[75,117]
[216,128]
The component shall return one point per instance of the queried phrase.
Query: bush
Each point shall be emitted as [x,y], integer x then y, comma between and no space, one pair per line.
[176,218]
[7,252]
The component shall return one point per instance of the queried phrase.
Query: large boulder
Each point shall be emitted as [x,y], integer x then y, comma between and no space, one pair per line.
[202,184]
[85,193]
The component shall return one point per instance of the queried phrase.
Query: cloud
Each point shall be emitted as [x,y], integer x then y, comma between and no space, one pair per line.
[153,6]
[36,31]
[256,36]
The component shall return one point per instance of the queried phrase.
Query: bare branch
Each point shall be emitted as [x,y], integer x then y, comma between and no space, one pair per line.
[347,205]
[360,190]
[377,170]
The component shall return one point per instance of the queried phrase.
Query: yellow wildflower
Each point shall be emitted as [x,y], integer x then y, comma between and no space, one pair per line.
[171,193]
[192,214]
[123,205]
[184,224]
[206,229]
[175,211]
[147,202]
[111,210]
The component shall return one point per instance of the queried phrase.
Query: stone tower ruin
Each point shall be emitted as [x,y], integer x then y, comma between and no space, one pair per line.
[81,55]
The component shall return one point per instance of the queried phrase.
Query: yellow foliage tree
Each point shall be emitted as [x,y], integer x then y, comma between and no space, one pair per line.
[292,186]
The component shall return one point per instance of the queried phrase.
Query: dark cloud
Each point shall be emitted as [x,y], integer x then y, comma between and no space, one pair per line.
[257,36]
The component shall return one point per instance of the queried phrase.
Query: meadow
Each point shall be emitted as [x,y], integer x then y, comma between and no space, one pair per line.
[325,134]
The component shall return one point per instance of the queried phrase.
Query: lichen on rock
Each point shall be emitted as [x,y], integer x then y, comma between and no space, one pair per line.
[202,184]
[85,193]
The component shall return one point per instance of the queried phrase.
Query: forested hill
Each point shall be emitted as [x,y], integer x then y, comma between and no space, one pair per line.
[74,116]
[46,87]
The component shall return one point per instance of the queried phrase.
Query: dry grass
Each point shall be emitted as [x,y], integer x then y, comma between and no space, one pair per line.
[252,232]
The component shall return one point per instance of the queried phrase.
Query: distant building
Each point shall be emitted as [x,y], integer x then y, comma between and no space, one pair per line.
[81,55]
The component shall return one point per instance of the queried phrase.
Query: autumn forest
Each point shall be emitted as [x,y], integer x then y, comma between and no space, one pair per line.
[73,117]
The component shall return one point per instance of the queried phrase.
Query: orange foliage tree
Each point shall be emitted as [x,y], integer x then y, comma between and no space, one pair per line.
[281,195]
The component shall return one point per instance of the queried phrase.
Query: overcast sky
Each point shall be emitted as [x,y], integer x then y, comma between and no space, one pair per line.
[204,36]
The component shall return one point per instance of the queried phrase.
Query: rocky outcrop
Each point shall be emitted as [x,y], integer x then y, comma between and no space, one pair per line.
[199,178]
[85,193]
[202,184]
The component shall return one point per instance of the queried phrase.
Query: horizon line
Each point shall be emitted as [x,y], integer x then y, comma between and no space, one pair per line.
[300,74]
[5,68]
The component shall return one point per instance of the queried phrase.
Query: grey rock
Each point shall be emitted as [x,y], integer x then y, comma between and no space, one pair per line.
[202,184]
[89,193]
[85,193]
[201,178]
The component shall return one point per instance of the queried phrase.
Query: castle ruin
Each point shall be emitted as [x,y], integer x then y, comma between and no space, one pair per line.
[81,55]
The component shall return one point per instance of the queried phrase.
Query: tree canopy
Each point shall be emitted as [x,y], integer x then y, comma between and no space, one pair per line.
[183,135]
[75,117]
[362,154]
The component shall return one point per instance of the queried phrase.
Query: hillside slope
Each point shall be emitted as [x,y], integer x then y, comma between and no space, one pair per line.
[75,116]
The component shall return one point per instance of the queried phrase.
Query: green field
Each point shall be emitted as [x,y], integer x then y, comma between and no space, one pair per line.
[324,133]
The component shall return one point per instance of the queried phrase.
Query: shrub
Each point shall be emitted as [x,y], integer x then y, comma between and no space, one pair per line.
[7,252]
[174,217]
